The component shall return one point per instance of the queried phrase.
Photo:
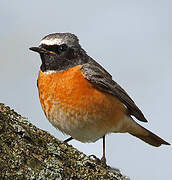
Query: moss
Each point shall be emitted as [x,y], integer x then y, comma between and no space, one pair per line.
[27,152]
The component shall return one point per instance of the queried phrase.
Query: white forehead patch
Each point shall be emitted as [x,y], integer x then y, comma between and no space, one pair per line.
[51,41]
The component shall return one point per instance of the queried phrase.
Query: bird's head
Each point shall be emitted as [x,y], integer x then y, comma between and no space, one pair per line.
[60,51]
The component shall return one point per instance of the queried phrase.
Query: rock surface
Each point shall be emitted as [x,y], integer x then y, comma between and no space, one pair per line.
[27,152]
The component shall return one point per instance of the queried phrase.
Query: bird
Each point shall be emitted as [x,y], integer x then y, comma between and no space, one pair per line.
[80,98]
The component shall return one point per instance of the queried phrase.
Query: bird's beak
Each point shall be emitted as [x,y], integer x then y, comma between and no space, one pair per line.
[38,49]
[41,50]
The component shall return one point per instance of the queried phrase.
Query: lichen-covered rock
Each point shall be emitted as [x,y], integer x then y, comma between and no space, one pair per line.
[27,152]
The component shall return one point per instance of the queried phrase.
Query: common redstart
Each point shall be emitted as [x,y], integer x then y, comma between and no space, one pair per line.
[80,98]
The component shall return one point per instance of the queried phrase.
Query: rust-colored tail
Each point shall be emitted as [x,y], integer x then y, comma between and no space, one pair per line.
[146,135]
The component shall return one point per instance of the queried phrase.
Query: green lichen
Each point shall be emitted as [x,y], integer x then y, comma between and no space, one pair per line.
[27,152]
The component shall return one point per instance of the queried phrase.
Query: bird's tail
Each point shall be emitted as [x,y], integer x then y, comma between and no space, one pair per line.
[147,136]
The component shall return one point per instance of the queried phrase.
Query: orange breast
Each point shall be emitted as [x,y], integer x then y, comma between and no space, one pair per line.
[73,105]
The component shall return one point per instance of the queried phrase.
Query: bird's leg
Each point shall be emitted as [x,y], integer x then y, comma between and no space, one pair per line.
[67,140]
[103,157]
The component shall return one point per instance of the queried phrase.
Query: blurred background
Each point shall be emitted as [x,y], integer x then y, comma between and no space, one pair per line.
[131,39]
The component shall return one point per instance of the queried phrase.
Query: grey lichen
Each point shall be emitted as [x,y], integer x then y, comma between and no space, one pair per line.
[27,152]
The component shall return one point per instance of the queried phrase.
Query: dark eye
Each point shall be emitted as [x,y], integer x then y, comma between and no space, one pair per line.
[62,47]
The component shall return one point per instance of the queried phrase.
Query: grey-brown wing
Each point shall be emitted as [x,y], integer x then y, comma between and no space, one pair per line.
[103,81]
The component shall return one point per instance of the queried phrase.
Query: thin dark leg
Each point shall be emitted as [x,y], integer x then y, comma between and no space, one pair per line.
[103,157]
[67,140]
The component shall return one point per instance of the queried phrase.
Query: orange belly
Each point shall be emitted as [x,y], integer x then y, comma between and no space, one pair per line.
[74,106]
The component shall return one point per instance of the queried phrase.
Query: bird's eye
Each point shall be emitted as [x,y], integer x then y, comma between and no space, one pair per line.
[63,47]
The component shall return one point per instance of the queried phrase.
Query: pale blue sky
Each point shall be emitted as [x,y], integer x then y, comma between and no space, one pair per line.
[131,39]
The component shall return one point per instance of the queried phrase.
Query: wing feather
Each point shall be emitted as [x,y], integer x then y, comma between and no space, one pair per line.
[102,80]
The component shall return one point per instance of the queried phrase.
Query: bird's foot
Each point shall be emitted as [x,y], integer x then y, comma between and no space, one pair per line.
[101,161]
[67,140]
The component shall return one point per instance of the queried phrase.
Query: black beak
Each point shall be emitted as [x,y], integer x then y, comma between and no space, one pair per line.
[41,50]
[38,49]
